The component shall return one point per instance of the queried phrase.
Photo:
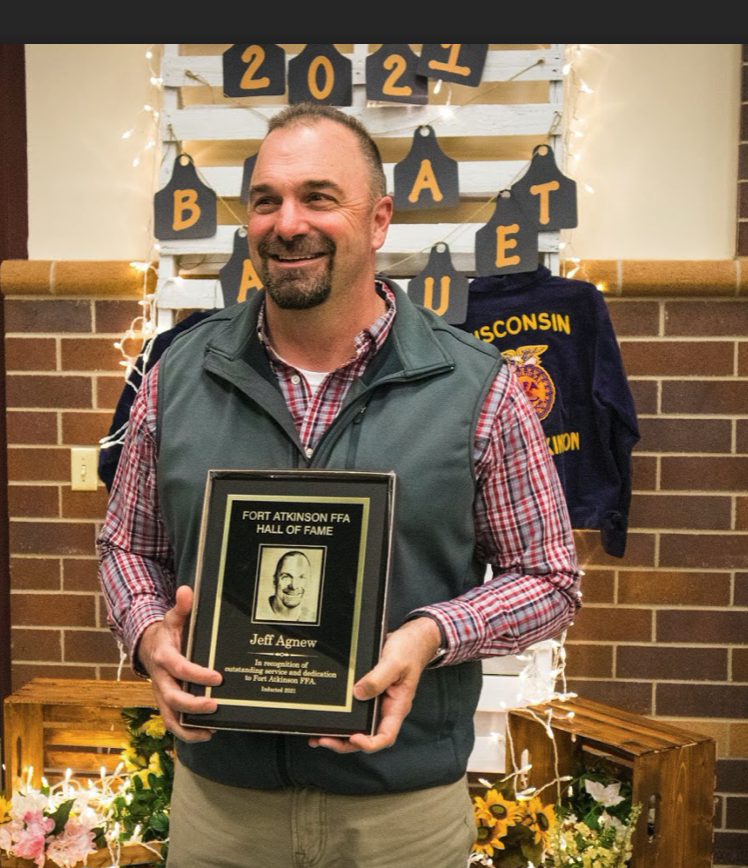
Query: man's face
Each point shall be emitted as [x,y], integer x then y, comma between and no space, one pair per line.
[290,580]
[313,225]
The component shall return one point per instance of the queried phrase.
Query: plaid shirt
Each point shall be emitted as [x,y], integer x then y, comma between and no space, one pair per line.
[521,521]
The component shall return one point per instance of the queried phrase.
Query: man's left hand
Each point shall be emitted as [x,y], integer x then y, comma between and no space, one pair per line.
[406,653]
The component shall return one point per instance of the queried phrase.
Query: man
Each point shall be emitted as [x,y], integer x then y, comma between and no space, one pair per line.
[397,389]
[291,579]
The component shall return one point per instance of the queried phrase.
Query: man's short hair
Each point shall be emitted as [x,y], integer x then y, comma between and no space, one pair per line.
[311,112]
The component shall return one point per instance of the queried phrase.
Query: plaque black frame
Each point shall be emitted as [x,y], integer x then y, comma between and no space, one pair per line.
[279,675]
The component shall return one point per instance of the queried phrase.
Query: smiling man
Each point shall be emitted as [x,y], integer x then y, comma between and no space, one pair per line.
[331,366]
[291,580]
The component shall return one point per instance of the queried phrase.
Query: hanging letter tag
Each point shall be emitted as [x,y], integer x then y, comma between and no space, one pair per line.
[427,177]
[459,62]
[238,276]
[392,75]
[185,207]
[254,70]
[247,169]
[320,74]
[440,288]
[508,242]
[545,194]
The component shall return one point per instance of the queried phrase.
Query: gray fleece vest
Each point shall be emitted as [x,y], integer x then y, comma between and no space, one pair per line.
[413,412]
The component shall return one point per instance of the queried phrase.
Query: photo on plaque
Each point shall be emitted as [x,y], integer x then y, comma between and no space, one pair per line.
[289,584]
[290,598]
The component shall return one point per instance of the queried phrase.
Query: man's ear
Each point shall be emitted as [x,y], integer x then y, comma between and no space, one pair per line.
[381,218]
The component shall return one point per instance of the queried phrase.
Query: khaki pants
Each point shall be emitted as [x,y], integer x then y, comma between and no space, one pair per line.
[217,826]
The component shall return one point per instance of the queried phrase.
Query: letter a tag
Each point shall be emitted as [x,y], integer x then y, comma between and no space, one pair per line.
[508,242]
[238,277]
[185,207]
[440,288]
[545,194]
[427,177]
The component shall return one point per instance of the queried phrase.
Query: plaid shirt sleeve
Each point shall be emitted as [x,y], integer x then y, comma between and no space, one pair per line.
[136,563]
[521,520]
[522,530]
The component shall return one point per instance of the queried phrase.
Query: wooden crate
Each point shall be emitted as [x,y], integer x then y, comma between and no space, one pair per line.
[52,724]
[671,770]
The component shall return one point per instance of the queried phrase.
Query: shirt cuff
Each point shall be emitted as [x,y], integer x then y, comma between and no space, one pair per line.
[442,651]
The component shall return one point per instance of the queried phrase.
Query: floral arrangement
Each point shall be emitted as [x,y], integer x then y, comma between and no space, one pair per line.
[590,827]
[141,809]
[64,823]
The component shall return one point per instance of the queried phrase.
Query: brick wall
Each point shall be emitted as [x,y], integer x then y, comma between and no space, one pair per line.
[664,631]
[63,381]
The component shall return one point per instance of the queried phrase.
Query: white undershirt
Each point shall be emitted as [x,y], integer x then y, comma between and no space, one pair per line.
[314,378]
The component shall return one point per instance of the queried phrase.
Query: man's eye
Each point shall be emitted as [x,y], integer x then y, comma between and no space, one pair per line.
[262,204]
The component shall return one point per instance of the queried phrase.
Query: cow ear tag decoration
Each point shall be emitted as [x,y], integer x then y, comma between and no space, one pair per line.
[247,169]
[185,207]
[254,70]
[458,62]
[440,287]
[508,242]
[545,194]
[427,177]
[320,73]
[238,277]
[392,75]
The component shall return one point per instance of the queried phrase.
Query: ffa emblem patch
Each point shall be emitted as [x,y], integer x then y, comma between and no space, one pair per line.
[535,379]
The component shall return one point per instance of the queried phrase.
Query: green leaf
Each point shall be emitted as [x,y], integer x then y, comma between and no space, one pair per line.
[61,815]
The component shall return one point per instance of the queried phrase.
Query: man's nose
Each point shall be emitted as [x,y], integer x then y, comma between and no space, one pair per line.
[290,220]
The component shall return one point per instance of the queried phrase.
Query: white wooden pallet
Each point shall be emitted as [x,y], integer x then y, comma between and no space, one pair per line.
[196,117]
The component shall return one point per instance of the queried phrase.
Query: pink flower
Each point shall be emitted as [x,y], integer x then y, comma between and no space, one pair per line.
[72,845]
[30,839]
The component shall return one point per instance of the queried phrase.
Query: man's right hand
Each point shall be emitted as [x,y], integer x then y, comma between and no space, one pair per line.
[159,650]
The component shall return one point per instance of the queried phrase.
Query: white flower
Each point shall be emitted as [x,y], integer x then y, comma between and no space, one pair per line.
[607,796]
[607,820]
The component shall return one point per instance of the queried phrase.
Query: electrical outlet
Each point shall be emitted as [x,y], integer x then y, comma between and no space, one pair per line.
[83,468]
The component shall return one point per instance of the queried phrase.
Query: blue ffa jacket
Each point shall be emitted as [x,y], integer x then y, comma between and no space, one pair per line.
[557,335]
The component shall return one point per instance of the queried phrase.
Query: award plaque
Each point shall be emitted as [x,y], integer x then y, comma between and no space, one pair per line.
[290,597]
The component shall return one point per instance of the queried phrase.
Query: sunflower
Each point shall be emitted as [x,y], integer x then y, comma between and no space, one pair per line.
[5,806]
[488,836]
[505,812]
[482,812]
[542,820]
[154,727]
[131,759]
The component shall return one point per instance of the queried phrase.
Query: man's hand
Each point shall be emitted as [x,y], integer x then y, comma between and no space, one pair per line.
[404,657]
[159,650]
